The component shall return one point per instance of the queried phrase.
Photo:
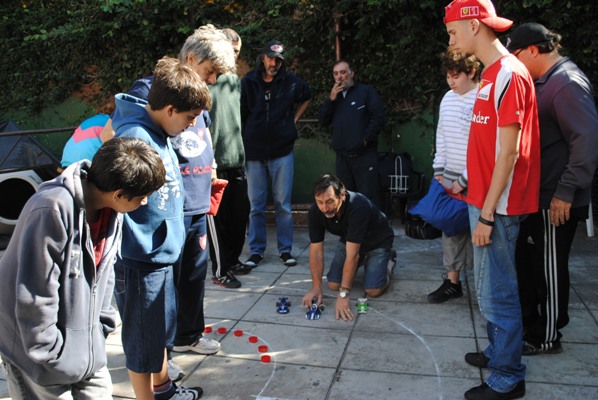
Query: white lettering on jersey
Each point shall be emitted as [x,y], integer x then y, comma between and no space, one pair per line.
[479,119]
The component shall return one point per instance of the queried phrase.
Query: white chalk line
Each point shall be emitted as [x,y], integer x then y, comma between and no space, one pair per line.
[423,341]
[401,324]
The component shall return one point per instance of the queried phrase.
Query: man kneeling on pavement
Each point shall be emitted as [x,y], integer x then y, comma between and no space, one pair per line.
[366,238]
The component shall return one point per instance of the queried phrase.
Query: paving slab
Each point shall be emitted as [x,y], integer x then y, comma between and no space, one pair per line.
[402,348]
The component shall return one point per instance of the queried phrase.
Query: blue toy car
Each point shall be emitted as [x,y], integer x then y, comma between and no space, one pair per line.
[282,305]
[314,311]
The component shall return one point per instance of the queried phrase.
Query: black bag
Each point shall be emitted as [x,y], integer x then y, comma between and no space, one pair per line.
[417,228]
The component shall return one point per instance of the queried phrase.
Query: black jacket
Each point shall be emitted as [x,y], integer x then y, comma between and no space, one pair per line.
[355,118]
[269,130]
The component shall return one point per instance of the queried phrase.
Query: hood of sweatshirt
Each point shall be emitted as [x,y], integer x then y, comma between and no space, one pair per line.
[130,111]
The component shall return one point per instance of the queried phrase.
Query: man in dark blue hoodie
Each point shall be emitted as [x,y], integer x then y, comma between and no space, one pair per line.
[269,94]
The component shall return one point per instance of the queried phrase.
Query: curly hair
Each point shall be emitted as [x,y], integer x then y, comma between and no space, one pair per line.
[456,62]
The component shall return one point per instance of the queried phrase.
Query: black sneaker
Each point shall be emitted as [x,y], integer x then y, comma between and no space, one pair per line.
[227,281]
[530,349]
[288,259]
[485,392]
[254,260]
[241,269]
[478,359]
[448,290]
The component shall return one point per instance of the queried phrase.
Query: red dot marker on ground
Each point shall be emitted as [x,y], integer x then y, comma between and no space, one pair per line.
[253,339]
[222,330]
[238,332]
[266,358]
[208,329]
[262,349]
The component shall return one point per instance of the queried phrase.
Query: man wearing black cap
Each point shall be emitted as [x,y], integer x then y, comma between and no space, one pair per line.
[568,139]
[272,101]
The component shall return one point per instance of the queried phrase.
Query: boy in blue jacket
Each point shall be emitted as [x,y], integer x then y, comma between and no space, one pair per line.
[153,237]
[55,304]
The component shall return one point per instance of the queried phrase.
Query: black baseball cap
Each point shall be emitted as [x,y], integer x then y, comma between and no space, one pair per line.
[274,49]
[526,35]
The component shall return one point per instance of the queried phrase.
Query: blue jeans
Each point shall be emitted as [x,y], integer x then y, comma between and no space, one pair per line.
[498,297]
[146,302]
[189,280]
[280,171]
[375,263]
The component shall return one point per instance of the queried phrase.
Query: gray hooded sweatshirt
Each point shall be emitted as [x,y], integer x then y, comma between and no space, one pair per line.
[55,303]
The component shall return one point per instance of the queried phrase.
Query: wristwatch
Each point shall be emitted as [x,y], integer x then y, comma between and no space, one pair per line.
[344,292]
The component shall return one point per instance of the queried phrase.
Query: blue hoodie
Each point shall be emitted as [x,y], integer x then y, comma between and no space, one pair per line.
[268,113]
[194,153]
[153,234]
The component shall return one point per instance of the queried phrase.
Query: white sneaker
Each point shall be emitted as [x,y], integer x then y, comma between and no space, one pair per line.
[202,345]
[175,373]
[183,393]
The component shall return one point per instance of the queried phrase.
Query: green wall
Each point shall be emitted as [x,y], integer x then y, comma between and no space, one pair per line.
[70,113]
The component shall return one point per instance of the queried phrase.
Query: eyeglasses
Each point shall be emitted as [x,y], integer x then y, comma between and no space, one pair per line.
[517,52]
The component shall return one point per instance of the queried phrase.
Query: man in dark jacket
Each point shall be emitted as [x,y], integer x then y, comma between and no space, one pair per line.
[356,114]
[568,140]
[269,94]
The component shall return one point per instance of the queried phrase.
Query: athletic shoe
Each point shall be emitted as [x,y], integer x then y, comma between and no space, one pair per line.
[530,349]
[288,259]
[254,260]
[227,281]
[485,392]
[478,359]
[184,393]
[448,290]
[241,269]
[175,373]
[202,345]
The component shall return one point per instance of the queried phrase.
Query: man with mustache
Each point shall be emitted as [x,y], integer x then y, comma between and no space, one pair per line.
[356,114]
[272,101]
[366,239]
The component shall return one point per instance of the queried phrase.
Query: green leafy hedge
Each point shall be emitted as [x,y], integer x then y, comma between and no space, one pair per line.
[54,48]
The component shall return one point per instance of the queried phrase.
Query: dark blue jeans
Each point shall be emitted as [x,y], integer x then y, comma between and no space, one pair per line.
[189,280]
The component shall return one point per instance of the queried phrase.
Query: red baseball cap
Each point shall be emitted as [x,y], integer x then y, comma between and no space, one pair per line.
[483,10]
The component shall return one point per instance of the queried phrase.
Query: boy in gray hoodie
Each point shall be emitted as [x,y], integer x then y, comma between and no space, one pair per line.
[57,273]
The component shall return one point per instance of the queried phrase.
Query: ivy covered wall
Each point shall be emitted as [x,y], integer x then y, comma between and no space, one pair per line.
[53,49]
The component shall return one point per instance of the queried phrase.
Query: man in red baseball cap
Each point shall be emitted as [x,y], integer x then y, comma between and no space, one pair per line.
[482,10]
[503,171]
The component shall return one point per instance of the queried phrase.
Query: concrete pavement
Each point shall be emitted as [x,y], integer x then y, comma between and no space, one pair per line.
[402,348]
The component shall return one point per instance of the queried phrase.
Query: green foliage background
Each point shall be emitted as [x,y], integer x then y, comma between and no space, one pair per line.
[52,48]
